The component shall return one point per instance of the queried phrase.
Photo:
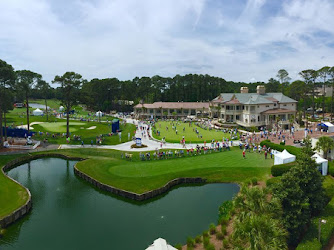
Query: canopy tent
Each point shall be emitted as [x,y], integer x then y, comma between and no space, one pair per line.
[61,108]
[322,163]
[283,157]
[326,126]
[98,113]
[37,112]
[160,244]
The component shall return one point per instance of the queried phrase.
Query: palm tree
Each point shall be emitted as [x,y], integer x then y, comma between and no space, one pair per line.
[44,87]
[257,223]
[325,144]
[331,73]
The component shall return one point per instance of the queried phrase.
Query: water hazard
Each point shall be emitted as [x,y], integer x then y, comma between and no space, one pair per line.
[69,213]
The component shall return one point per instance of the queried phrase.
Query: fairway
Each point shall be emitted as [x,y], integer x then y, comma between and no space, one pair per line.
[189,132]
[60,127]
[142,176]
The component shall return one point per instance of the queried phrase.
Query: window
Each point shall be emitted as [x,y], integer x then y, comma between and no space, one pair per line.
[252,108]
[292,104]
[275,105]
[237,117]
[179,111]
[151,111]
[258,106]
[193,112]
[247,108]
[238,107]
[186,111]
[258,118]
[267,106]
[171,111]
[223,106]
[284,105]
[243,107]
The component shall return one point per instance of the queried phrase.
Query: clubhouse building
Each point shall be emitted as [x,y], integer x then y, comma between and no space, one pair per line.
[244,109]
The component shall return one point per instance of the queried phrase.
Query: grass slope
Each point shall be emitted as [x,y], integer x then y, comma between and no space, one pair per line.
[12,195]
[189,134]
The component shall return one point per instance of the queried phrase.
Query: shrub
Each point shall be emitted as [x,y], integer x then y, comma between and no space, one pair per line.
[223,230]
[212,228]
[135,146]
[279,170]
[273,181]
[219,236]
[190,242]
[210,247]
[282,143]
[223,221]
[254,181]
[205,234]
[198,239]
[178,246]
[224,211]
[225,243]
[206,241]
[292,150]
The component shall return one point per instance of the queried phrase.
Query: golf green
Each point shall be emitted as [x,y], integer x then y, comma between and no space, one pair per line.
[188,131]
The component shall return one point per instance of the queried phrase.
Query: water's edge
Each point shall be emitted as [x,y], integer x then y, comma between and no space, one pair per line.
[23,210]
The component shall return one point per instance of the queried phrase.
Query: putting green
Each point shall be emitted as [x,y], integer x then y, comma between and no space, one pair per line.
[189,132]
[60,127]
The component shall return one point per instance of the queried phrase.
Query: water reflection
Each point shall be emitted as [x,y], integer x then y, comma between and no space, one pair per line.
[69,213]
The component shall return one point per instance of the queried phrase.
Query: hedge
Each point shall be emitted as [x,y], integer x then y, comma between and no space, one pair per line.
[279,170]
[291,149]
[273,181]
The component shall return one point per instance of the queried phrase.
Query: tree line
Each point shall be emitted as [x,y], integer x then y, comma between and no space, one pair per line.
[113,94]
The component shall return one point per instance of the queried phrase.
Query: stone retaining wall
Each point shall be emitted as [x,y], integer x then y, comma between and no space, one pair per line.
[135,196]
[23,210]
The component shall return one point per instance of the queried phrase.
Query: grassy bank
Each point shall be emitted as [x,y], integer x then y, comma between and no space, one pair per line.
[12,195]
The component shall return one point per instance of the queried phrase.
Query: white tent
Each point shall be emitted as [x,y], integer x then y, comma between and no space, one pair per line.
[61,108]
[283,157]
[160,244]
[37,112]
[330,127]
[322,163]
[98,113]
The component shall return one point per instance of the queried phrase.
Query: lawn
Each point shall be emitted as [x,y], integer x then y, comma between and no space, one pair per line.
[189,132]
[140,176]
[57,126]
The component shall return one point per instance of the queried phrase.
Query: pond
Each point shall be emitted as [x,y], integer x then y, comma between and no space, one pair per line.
[69,213]
[37,106]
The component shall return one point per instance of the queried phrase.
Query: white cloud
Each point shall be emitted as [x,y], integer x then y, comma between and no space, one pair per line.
[124,39]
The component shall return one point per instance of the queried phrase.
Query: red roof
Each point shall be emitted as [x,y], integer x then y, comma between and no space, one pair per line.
[174,105]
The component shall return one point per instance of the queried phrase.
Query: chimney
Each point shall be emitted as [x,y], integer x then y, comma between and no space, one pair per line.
[260,90]
[244,90]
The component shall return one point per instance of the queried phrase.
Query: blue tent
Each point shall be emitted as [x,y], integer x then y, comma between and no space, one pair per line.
[115,125]
[17,132]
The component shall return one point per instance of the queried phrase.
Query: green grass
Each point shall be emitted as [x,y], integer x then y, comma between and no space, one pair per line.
[58,126]
[189,134]
[12,195]
[142,176]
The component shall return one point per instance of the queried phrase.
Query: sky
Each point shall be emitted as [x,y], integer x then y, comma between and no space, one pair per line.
[238,40]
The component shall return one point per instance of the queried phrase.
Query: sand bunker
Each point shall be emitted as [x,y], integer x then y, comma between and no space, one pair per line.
[30,127]
[92,127]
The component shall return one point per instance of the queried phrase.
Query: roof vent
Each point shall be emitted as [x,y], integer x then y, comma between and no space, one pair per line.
[244,90]
[260,90]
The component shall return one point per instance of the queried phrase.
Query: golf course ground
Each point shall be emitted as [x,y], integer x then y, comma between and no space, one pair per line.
[108,167]
[183,129]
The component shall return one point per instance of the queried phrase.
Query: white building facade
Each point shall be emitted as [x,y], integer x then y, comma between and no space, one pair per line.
[254,109]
